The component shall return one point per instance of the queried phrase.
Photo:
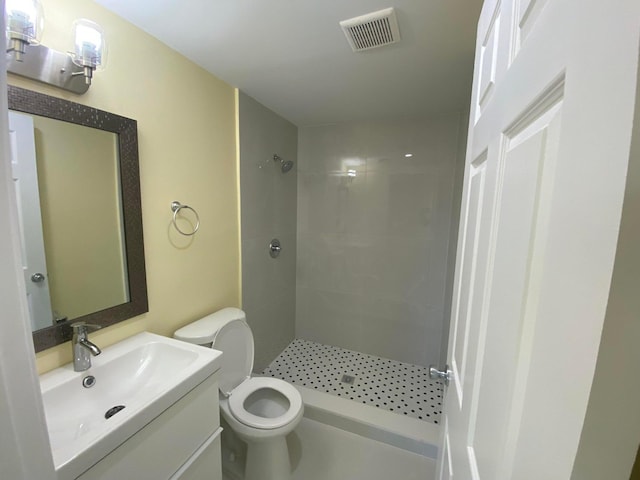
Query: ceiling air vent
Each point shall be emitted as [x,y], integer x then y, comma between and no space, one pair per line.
[372,30]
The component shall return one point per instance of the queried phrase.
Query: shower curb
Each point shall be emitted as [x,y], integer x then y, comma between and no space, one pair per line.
[387,427]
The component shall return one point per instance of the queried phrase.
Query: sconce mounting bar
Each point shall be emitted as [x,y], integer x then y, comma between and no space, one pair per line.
[49,66]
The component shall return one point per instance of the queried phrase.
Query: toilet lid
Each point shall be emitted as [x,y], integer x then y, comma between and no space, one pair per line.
[240,394]
[235,341]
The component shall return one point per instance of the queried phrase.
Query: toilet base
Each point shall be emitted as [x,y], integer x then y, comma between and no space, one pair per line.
[268,460]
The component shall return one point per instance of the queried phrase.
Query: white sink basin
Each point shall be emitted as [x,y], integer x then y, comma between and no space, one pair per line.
[145,373]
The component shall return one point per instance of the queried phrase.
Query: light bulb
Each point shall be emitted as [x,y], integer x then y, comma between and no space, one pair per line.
[24,20]
[89,43]
[90,49]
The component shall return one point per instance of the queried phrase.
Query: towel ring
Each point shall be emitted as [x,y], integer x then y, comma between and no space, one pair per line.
[175,208]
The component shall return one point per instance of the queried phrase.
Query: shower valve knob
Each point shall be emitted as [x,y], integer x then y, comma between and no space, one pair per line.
[37,278]
[274,248]
[444,375]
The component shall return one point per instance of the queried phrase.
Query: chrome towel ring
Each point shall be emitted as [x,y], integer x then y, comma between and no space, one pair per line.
[175,208]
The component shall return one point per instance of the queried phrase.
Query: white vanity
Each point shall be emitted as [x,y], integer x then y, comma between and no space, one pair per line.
[169,427]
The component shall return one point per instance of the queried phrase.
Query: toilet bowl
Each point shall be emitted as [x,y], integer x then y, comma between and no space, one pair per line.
[260,410]
[266,403]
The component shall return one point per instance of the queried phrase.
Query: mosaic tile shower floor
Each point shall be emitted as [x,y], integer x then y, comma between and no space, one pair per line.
[399,387]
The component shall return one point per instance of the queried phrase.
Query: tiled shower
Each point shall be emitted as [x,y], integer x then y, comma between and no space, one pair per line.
[387,384]
[357,302]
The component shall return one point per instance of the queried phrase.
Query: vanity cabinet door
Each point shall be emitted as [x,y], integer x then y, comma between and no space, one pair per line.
[205,464]
[164,445]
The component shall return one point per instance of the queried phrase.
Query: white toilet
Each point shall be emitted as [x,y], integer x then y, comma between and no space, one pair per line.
[260,410]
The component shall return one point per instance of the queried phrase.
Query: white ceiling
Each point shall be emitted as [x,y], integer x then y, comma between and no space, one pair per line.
[292,56]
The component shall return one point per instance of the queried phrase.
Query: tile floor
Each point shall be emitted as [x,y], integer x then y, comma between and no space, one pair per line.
[399,387]
[323,452]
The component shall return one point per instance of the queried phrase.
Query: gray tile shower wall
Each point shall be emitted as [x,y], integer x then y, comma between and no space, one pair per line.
[375,209]
[268,210]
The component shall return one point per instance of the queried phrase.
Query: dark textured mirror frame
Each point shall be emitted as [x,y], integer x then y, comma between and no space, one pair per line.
[127,131]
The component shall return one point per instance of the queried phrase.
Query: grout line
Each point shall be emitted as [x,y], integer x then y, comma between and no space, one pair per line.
[398,387]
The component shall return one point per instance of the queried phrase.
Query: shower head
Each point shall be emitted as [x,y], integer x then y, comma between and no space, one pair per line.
[286,165]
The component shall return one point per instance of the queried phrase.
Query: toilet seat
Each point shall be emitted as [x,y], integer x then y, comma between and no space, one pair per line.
[246,388]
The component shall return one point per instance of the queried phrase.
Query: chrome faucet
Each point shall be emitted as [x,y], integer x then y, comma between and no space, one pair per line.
[82,347]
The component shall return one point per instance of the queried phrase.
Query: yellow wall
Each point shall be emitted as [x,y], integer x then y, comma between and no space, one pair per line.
[635,473]
[81,213]
[186,132]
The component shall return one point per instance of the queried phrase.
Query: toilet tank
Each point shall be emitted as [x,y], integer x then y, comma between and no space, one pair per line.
[225,330]
[203,332]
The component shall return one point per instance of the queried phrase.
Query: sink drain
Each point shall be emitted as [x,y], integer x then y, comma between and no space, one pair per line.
[88,381]
[113,410]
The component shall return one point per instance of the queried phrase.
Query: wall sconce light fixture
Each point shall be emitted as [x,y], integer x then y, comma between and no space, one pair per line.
[90,48]
[71,71]
[24,22]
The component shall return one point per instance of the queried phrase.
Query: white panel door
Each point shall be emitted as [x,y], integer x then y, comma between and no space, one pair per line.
[25,177]
[548,148]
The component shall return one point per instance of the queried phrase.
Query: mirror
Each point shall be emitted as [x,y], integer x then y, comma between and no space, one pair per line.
[80,214]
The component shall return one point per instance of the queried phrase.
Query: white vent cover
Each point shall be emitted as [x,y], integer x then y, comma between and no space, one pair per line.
[372,30]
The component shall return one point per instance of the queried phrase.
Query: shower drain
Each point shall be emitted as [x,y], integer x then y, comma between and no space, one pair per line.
[398,387]
[348,379]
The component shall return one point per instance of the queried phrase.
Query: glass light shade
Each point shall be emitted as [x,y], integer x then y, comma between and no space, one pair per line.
[24,20]
[90,48]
